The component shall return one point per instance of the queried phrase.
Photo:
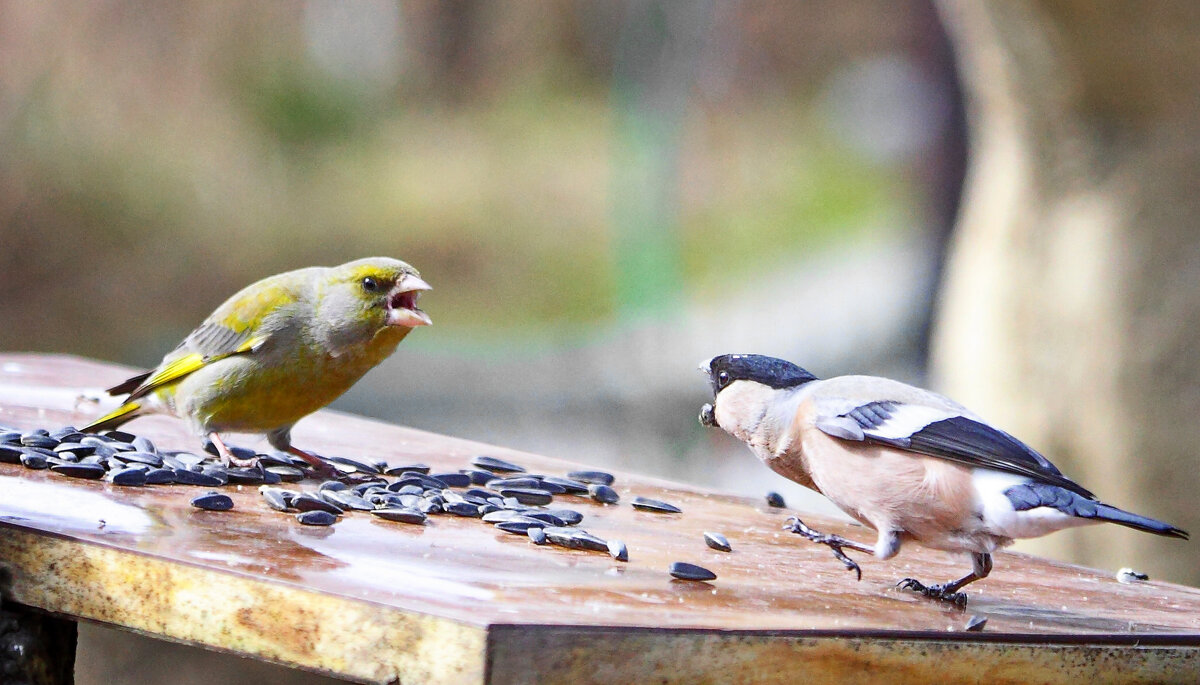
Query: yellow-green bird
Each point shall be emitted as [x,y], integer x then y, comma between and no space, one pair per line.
[279,350]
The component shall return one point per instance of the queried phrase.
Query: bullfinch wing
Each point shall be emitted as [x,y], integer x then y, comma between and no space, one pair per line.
[885,412]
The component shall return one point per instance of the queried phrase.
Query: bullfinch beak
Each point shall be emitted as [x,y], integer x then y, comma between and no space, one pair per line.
[707,415]
[402,303]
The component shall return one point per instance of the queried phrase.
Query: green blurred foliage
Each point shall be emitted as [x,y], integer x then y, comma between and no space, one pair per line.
[157,158]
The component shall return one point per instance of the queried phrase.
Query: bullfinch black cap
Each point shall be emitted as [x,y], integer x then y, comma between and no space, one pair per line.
[769,371]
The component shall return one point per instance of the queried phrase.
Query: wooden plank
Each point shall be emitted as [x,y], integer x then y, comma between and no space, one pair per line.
[458,601]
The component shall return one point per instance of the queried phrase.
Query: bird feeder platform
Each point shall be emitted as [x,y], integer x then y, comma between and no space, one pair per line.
[458,601]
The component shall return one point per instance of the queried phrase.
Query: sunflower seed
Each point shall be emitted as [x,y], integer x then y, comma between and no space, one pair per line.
[568,516]
[347,500]
[316,518]
[419,479]
[406,500]
[774,499]
[617,550]
[160,476]
[148,458]
[186,477]
[462,509]
[143,444]
[603,494]
[531,496]
[478,477]
[454,480]
[496,465]
[598,477]
[360,466]
[274,498]
[400,515]
[276,459]
[717,542]
[244,476]
[519,526]
[38,440]
[658,506]
[132,476]
[34,460]
[120,435]
[10,454]
[575,538]
[88,471]
[547,518]
[288,474]
[77,448]
[213,501]
[218,472]
[574,487]
[103,451]
[401,469]
[518,482]
[477,501]
[309,502]
[537,536]
[1128,575]
[551,488]
[685,571]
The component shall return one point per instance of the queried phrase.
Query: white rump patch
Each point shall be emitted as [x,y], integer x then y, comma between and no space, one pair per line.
[999,517]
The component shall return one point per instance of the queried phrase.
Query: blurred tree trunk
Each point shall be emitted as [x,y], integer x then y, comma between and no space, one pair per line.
[1071,307]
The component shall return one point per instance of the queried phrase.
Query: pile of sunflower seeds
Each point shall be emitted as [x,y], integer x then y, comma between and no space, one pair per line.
[495,491]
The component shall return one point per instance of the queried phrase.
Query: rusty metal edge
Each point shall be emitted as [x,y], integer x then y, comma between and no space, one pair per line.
[586,654]
[276,622]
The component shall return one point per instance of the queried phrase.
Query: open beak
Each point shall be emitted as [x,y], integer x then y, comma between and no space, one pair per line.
[402,303]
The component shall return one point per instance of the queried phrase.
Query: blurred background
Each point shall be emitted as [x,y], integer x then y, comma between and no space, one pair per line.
[603,194]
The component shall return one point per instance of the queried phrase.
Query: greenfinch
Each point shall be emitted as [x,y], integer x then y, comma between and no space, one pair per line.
[277,351]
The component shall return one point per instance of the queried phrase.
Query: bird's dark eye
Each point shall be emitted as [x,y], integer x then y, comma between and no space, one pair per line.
[722,379]
[369,284]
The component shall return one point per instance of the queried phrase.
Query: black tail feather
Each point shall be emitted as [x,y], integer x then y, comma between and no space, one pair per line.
[1105,512]
[1030,495]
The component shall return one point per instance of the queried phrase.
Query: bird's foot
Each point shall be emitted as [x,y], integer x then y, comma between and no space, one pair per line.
[232,460]
[228,458]
[938,592]
[834,542]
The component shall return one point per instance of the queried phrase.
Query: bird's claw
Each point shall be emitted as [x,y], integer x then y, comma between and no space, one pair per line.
[230,460]
[938,592]
[834,542]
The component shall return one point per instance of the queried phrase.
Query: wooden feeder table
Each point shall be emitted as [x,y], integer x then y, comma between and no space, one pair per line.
[458,601]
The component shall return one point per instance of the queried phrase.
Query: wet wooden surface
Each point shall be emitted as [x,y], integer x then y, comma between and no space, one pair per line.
[457,600]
